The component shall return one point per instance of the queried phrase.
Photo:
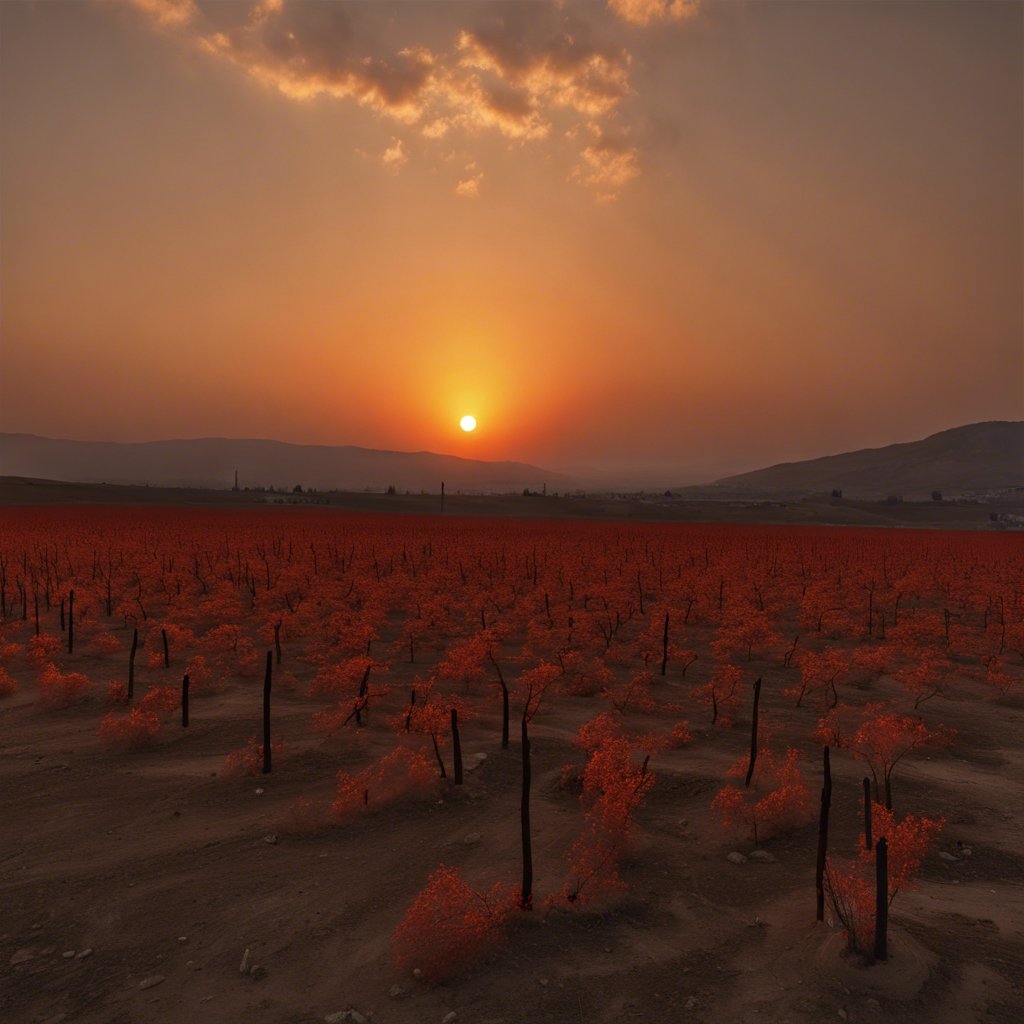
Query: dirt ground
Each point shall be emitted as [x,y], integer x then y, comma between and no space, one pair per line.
[132,884]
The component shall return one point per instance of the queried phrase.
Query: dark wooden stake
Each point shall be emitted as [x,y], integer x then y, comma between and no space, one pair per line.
[753,733]
[664,646]
[867,813]
[167,651]
[456,748]
[361,701]
[71,622]
[881,899]
[184,701]
[131,663]
[526,894]
[266,713]
[826,803]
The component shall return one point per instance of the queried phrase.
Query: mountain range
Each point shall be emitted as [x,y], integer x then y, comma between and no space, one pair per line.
[974,458]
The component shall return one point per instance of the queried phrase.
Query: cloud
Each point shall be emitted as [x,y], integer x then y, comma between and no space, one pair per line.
[527,72]
[646,12]
[394,156]
[607,163]
[469,187]
[167,13]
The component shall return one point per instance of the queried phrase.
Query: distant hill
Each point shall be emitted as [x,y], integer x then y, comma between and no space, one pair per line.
[212,462]
[977,457]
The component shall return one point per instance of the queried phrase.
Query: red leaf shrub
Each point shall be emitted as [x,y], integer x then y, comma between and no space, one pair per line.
[402,773]
[778,799]
[61,689]
[850,885]
[134,731]
[450,926]
[7,683]
[248,760]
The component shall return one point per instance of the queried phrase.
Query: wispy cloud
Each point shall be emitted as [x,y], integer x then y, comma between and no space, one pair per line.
[646,12]
[520,71]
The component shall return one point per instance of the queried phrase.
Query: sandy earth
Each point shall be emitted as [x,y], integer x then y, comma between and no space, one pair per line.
[162,868]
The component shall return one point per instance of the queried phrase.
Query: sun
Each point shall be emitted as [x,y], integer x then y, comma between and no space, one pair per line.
[468,423]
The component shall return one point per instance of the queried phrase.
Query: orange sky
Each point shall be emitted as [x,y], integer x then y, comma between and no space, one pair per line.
[657,236]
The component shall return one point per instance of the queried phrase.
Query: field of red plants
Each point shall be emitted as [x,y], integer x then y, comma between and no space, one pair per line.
[289,765]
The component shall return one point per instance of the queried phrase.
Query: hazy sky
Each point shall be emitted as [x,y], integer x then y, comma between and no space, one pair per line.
[643,233]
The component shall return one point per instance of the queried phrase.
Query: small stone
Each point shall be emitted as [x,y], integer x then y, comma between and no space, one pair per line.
[966,852]
[690,1004]
[22,956]
[84,953]
[345,1015]
[947,856]
[257,973]
[449,1017]
[183,938]
[843,1015]
[396,992]
[763,856]
[472,839]
[874,1005]
[49,951]
[543,982]
[259,791]
[37,926]
[736,857]
[243,967]
[68,954]
[152,981]
[270,840]
[417,973]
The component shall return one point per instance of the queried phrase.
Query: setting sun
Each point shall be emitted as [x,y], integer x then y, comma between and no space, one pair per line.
[468,423]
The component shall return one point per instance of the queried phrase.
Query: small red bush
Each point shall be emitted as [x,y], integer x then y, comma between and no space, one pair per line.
[134,731]
[450,926]
[404,772]
[248,760]
[61,689]
[7,683]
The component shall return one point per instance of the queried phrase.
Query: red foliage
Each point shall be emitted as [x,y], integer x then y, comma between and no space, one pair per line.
[850,885]
[61,689]
[402,773]
[882,739]
[248,760]
[7,683]
[777,800]
[134,731]
[720,693]
[450,926]
[614,786]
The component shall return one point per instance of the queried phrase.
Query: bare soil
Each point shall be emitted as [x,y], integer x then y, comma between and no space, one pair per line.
[162,868]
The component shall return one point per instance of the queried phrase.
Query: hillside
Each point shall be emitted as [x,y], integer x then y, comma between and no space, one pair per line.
[976,457]
[212,462]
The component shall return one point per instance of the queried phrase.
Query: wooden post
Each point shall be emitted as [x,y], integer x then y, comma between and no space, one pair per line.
[526,894]
[456,748]
[753,733]
[131,663]
[184,701]
[826,803]
[881,899]
[277,641]
[664,646]
[71,622]
[867,813]
[266,713]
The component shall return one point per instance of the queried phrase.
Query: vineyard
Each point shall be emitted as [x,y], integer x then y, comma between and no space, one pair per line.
[509,770]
